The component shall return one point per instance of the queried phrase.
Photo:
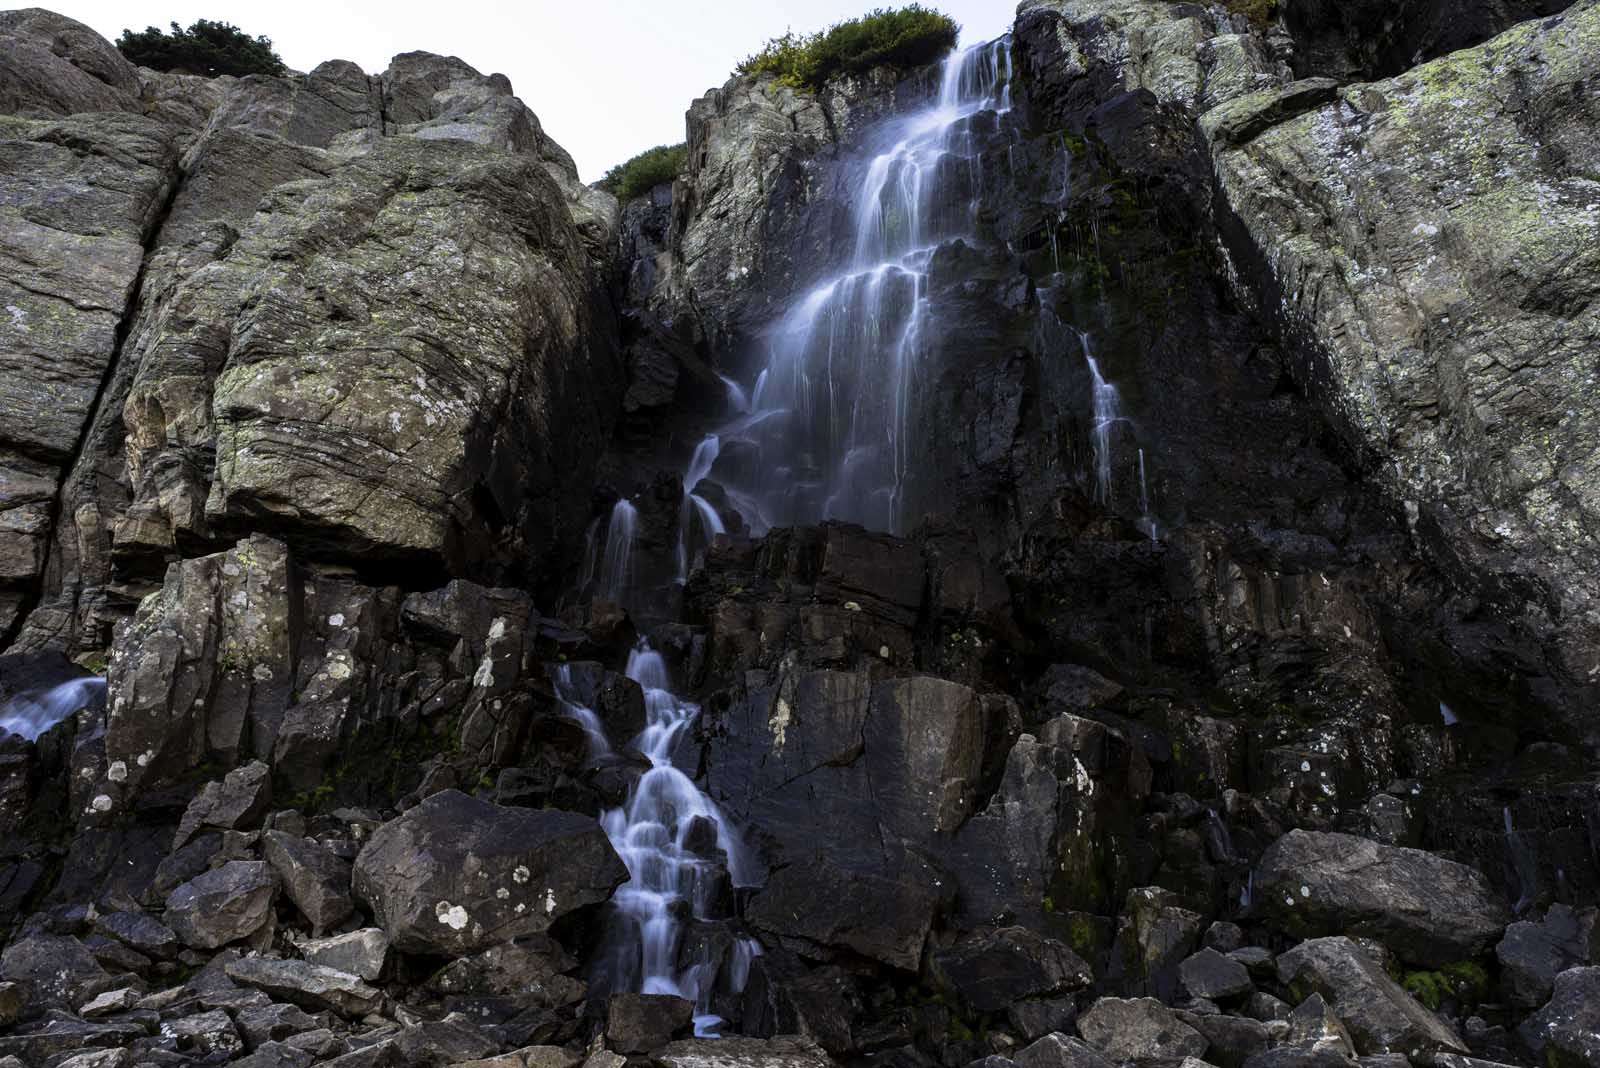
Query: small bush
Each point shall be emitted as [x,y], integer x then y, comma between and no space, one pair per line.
[905,37]
[644,172]
[207,48]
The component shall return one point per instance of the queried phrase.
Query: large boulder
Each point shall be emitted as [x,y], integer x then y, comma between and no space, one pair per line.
[222,905]
[313,876]
[1438,294]
[1566,1032]
[1428,910]
[1380,1016]
[1129,1028]
[456,875]
[991,970]
[1534,952]
[817,903]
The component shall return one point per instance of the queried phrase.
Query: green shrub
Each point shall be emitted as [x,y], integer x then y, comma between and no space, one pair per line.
[207,48]
[905,37]
[644,172]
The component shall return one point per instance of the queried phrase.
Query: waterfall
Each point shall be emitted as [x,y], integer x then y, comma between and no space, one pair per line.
[616,562]
[1106,411]
[831,412]
[696,507]
[664,835]
[31,714]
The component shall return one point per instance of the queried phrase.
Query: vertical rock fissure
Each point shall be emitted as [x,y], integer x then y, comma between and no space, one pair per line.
[149,240]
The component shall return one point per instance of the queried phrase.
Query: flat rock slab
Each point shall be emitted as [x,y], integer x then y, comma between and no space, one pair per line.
[308,985]
[1381,1017]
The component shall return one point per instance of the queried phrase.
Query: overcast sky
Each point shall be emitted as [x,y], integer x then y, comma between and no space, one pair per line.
[607,78]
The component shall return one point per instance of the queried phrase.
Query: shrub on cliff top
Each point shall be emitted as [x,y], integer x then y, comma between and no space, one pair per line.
[905,37]
[208,48]
[644,172]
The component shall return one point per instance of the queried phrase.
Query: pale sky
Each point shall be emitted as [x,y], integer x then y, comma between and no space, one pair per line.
[607,78]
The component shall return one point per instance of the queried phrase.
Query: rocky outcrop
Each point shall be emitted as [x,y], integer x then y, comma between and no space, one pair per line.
[180,431]
[1407,237]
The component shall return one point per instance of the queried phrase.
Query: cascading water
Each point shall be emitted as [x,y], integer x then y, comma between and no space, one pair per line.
[664,835]
[695,508]
[31,714]
[830,415]
[615,567]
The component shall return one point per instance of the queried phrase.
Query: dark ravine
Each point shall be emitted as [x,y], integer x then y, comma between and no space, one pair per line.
[1220,689]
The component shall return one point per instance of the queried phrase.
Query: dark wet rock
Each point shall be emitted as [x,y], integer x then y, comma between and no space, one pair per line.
[1224,937]
[1566,1032]
[992,970]
[13,999]
[309,985]
[313,877]
[1209,974]
[1036,1017]
[360,953]
[531,969]
[824,904]
[1125,1028]
[1302,1057]
[222,906]
[1154,936]
[456,875]
[276,1054]
[1534,952]
[639,1023]
[448,1041]
[1428,910]
[1233,1039]
[237,803]
[1060,1051]
[272,1023]
[140,932]
[52,969]
[1381,1017]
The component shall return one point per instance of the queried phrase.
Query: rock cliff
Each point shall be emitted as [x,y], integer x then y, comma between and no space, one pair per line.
[1078,553]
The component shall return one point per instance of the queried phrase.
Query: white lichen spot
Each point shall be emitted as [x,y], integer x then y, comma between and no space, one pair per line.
[1305,765]
[1305,891]
[502,893]
[549,901]
[851,606]
[336,620]
[261,673]
[883,652]
[452,916]
[118,771]
[101,803]
[395,425]
[520,908]
[144,758]
[521,874]
[1288,899]
[779,723]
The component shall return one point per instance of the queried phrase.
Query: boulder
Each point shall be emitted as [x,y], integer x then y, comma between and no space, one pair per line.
[205,1034]
[448,1041]
[1034,1018]
[51,969]
[823,903]
[1060,1051]
[456,875]
[1380,1016]
[529,969]
[1234,1039]
[237,803]
[272,1023]
[360,952]
[639,1023]
[1127,1028]
[1534,952]
[140,932]
[313,877]
[1428,910]
[1209,974]
[309,985]
[1566,1032]
[222,905]
[1154,936]
[991,970]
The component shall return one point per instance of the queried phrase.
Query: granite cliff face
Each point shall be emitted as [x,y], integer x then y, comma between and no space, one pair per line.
[1080,553]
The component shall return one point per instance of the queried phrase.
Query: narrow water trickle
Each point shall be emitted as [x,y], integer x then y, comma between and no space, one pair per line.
[696,509]
[1107,413]
[830,415]
[616,560]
